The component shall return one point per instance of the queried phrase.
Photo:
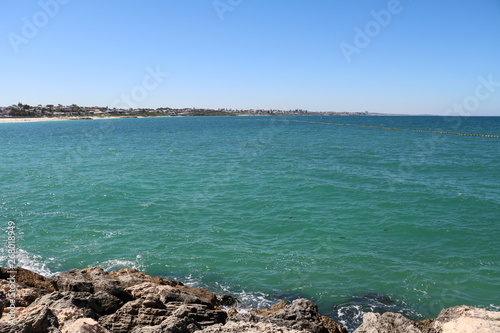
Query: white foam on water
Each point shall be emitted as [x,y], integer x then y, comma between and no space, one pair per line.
[30,261]
[246,300]
[493,307]
[116,264]
[252,300]
[350,313]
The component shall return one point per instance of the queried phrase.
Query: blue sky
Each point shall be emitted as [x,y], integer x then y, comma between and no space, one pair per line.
[409,57]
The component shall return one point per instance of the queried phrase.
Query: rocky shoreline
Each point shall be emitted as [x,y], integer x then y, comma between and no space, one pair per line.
[91,300]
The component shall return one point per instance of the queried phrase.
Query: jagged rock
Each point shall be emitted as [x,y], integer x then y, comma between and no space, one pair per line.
[29,279]
[73,280]
[388,322]
[332,326]
[68,316]
[232,312]
[1,306]
[87,305]
[226,300]
[38,319]
[92,279]
[204,295]
[101,281]
[164,292]
[153,304]
[266,312]
[246,327]
[171,325]
[203,315]
[134,314]
[107,302]
[94,301]
[458,319]
[301,315]
[129,277]
[24,296]
[84,325]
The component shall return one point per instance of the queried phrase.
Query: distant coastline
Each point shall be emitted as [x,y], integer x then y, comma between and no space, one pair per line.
[26,113]
[23,112]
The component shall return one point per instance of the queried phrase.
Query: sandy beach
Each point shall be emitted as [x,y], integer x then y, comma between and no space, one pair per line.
[22,120]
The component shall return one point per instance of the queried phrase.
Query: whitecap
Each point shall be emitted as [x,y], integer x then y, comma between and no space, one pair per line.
[116,264]
[30,261]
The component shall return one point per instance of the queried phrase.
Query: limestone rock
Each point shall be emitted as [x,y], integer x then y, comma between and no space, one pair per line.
[232,312]
[266,312]
[94,301]
[38,319]
[1,306]
[226,300]
[29,279]
[24,295]
[73,280]
[388,322]
[135,314]
[165,293]
[171,325]
[87,305]
[247,327]
[84,325]
[154,304]
[465,319]
[458,319]
[129,277]
[332,326]
[300,315]
[107,302]
[93,279]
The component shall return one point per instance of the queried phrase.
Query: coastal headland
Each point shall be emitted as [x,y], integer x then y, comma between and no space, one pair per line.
[127,300]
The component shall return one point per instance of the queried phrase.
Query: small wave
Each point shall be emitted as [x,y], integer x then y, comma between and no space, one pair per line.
[191,281]
[253,300]
[30,261]
[350,313]
[493,307]
[246,300]
[116,264]
[108,234]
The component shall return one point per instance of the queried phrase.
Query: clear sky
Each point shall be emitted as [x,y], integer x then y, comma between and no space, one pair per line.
[409,57]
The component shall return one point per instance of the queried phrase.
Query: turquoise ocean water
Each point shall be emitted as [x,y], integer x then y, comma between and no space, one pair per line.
[266,208]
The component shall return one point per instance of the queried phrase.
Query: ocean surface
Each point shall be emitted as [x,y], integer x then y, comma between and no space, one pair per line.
[355,213]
